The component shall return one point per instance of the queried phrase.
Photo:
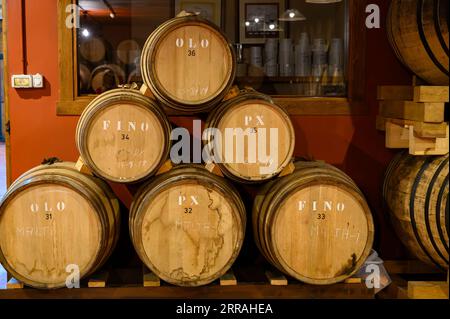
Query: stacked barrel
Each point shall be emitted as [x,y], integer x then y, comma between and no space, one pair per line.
[187,224]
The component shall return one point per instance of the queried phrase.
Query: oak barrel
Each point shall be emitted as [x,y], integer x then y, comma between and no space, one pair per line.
[188,226]
[123,136]
[85,77]
[313,224]
[416,194]
[418,33]
[53,217]
[188,64]
[93,49]
[261,135]
[128,51]
[106,77]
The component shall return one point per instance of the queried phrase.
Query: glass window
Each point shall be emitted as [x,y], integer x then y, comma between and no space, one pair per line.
[296,47]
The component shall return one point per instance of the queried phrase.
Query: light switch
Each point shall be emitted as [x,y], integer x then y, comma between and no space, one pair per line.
[38,81]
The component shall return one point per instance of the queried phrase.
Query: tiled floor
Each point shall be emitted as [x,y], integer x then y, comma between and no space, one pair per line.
[2,192]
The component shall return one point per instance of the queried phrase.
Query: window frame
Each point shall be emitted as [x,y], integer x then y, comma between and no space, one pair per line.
[69,103]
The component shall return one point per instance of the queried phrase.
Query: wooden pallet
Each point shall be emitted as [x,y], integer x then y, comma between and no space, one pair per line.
[413,118]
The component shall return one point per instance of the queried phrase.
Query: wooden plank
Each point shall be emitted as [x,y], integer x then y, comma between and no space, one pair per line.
[145,90]
[431,94]
[421,112]
[82,167]
[276,278]
[228,279]
[353,280]
[422,129]
[256,291]
[395,92]
[427,290]
[167,166]
[214,169]
[149,278]
[14,284]
[397,136]
[427,146]
[288,170]
[98,280]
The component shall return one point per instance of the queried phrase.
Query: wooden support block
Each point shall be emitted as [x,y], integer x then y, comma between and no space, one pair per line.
[407,110]
[431,94]
[380,123]
[427,146]
[214,169]
[427,290]
[145,90]
[288,170]
[397,136]
[82,168]
[167,166]
[353,280]
[228,279]
[276,278]
[149,278]
[14,284]
[98,280]
[422,129]
[232,93]
[395,92]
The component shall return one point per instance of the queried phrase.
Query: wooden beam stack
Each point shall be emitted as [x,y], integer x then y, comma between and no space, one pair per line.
[414,118]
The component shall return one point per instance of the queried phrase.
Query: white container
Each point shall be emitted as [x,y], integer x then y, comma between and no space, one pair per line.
[319,50]
[286,52]
[271,69]
[271,51]
[303,56]
[256,56]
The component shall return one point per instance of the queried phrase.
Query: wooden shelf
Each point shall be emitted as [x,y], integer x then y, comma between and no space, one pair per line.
[214,291]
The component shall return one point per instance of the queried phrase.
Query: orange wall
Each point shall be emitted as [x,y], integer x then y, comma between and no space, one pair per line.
[351,143]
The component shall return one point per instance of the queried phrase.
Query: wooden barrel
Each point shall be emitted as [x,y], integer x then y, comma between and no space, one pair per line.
[52,218]
[123,136]
[314,224]
[128,51]
[252,117]
[416,194]
[188,226]
[188,64]
[85,77]
[418,33]
[93,49]
[107,77]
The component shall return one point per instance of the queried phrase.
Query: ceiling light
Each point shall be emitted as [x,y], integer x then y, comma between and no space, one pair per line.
[86,33]
[292,15]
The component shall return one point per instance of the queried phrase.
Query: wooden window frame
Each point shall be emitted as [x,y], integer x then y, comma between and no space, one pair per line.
[70,103]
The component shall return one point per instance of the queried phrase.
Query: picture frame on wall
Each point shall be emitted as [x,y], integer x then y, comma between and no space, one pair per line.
[259,20]
[210,10]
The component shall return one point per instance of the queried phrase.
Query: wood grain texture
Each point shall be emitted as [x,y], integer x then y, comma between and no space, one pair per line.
[188,64]
[416,192]
[123,136]
[52,217]
[419,37]
[314,224]
[106,77]
[128,51]
[257,117]
[188,226]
